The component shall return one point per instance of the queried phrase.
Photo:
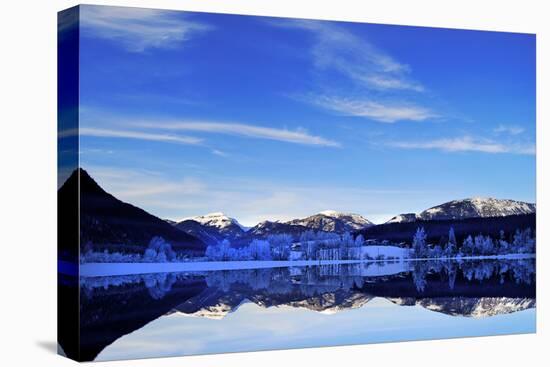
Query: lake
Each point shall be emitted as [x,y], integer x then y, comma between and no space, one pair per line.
[186,313]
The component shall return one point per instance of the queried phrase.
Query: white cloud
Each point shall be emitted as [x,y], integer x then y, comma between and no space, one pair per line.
[373,81]
[386,82]
[298,136]
[468,144]
[219,153]
[355,57]
[142,185]
[509,129]
[248,200]
[129,134]
[374,110]
[138,28]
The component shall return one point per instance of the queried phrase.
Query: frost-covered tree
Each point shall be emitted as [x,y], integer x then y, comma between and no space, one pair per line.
[419,242]
[452,237]
[479,244]
[518,238]
[307,236]
[241,254]
[488,246]
[311,249]
[159,251]
[468,246]
[280,246]
[347,240]
[213,252]
[523,241]
[450,246]
[226,250]
[359,241]
[220,251]
[437,251]
[483,245]
[161,257]
[503,247]
[150,255]
[259,250]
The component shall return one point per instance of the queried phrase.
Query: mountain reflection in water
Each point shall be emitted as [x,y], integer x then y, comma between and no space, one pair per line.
[112,307]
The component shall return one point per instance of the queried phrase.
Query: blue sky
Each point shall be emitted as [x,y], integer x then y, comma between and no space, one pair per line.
[184,114]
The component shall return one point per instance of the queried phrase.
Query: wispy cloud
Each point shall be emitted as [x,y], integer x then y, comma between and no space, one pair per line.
[130,134]
[379,111]
[509,129]
[132,184]
[219,153]
[248,200]
[355,57]
[137,28]
[298,136]
[370,82]
[386,82]
[467,144]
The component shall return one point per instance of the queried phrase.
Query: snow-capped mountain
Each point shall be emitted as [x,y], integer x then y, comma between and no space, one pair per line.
[477,307]
[326,303]
[469,208]
[333,302]
[216,227]
[212,228]
[404,218]
[267,227]
[333,221]
[218,220]
[469,306]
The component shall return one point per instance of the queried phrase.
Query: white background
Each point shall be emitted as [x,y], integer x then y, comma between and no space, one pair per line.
[28,181]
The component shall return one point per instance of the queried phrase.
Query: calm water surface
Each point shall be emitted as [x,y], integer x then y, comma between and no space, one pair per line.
[173,314]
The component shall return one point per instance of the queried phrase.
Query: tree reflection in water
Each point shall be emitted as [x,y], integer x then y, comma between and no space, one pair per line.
[111,307]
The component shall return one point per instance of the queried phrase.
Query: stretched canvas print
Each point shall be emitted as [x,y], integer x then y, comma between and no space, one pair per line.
[234,183]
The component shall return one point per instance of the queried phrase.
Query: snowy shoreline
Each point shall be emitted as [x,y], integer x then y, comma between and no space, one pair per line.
[112,269]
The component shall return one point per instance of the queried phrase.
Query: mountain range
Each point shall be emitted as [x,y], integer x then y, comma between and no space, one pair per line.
[468,213]
[108,223]
[215,227]
[331,303]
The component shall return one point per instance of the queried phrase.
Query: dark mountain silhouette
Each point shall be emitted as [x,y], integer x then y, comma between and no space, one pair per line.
[107,315]
[107,223]
[67,220]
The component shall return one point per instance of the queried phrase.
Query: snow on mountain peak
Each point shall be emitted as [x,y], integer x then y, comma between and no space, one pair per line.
[331,213]
[478,207]
[336,214]
[332,221]
[215,214]
[403,218]
[469,208]
[216,219]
